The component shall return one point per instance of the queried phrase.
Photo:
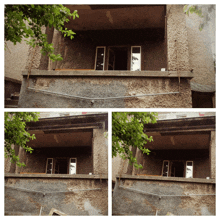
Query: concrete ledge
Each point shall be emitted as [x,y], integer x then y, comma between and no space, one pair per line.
[94,73]
[58,176]
[13,80]
[168,179]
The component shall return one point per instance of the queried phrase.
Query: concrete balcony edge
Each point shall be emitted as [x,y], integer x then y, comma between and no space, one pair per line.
[167,179]
[57,176]
[96,73]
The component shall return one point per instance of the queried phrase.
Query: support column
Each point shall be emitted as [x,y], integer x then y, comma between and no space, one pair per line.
[139,156]
[13,165]
[100,152]
[177,39]
[212,155]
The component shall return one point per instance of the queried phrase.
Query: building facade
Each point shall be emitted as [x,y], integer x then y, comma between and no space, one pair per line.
[178,177]
[67,171]
[126,56]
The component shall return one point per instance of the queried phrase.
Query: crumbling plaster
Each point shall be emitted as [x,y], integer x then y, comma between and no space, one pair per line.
[142,197]
[73,196]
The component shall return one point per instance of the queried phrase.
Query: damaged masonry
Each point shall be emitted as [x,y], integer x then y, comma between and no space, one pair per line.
[67,171]
[179,175]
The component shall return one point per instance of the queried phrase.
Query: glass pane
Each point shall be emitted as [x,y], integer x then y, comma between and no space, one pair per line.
[100,59]
[136,59]
[165,168]
[189,169]
[49,166]
[73,160]
[72,166]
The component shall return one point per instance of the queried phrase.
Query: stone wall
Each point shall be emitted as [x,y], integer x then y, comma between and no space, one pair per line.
[104,87]
[163,196]
[38,194]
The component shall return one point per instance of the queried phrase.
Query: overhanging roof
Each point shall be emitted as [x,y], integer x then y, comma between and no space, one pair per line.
[76,122]
[182,125]
[108,17]
[180,134]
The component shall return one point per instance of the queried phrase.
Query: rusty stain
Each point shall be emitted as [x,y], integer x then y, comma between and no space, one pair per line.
[38,205]
[149,204]
[10,198]
[127,200]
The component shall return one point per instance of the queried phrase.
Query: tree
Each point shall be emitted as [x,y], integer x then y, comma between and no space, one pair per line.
[127,132]
[15,133]
[26,21]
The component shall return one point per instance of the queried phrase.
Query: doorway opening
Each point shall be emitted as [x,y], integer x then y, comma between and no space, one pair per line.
[118,58]
[61,166]
[177,169]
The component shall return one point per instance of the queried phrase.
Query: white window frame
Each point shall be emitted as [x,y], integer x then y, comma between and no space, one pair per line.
[69,164]
[131,57]
[168,167]
[47,165]
[103,57]
[186,168]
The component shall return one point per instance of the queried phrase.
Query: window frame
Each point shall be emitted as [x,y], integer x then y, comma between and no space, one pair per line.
[192,168]
[47,166]
[103,57]
[131,58]
[69,164]
[168,168]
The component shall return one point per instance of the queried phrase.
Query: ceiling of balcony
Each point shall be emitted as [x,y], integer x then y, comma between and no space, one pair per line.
[171,142]
[107,17]
[61,139]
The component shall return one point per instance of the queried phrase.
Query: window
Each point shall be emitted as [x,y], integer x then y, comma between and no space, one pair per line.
[61,165]
[189,169]
[177,168]
[100,58]
[118,58]
[49,166]
[72,166]
[135,58]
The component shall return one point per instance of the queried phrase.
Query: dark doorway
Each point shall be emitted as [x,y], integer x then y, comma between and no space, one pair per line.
[61,166]
[118,58]
[177,169]
[202,99]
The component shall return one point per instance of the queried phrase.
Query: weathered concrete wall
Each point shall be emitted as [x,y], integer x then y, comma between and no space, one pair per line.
[27,195]
[100,152]
[103,87]
[201,48]
[119,167]
[151,196]
[16,57]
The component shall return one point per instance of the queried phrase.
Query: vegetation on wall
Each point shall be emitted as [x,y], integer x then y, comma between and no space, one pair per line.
[128,131]
[26,21]
[203,11]
[16,134]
